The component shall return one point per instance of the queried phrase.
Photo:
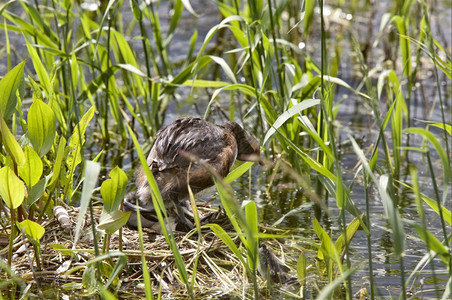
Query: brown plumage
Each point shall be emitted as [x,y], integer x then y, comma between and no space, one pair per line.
[188,140]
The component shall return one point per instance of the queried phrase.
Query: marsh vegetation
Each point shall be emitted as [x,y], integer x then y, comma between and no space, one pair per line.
[351,101]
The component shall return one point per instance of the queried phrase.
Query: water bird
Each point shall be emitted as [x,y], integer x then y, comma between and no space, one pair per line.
[189,147]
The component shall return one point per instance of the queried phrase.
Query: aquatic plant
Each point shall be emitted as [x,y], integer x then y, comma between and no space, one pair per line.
[89,84]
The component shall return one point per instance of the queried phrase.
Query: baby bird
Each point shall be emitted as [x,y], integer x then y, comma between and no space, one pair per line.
[184,148]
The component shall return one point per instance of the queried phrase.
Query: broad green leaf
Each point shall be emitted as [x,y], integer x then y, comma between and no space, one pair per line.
[288,114]
[231,208]
[89,278]
[74,71]
[57,163]
[41,126]
[301,267]
[185,74]
[135,6]
[311,162]
[13,81]
[434,205]
[92,170]
[114,189]
[206,83]
[393,215]
[239,171]
[327,248]
[350,231]
[252,245]
[112,221]
[32,229]
[226,69]
[344,84]
[77,140]
[12,189]
[73,150]
[307,89]
[401,24]
[31,170]
[132,69]
[10,143]
[40,69]
[177,8]
[37,191]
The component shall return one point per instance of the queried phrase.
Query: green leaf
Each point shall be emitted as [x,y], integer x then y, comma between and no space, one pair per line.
[57,163]
[434,205]
[10,143]
[12,189]
[442,154]
[89,278]
[92,170]
[288,114]
[327,248]
[63,249]
[112,221]
[37,191]
[11,82]
[446,127]
[301,267]
[40,69]
[32,229]
[31,170]
[77,139]
[252,244]
[350,231]
[41,126]
[239,171]
[114,189]
[226,69]
[122,261]
[401,24]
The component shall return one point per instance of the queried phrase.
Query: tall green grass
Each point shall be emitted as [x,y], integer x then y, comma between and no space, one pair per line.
[84,84]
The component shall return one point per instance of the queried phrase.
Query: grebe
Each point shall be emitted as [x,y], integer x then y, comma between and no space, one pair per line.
[169,160]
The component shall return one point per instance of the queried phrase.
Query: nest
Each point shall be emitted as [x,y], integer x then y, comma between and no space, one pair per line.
[218,272]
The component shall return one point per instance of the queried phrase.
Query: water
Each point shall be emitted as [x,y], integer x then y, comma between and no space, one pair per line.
[354,119]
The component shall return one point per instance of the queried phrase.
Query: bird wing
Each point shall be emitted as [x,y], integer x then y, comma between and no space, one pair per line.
[187,135]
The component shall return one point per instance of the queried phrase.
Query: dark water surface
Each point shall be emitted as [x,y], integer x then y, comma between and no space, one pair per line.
[354,119]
